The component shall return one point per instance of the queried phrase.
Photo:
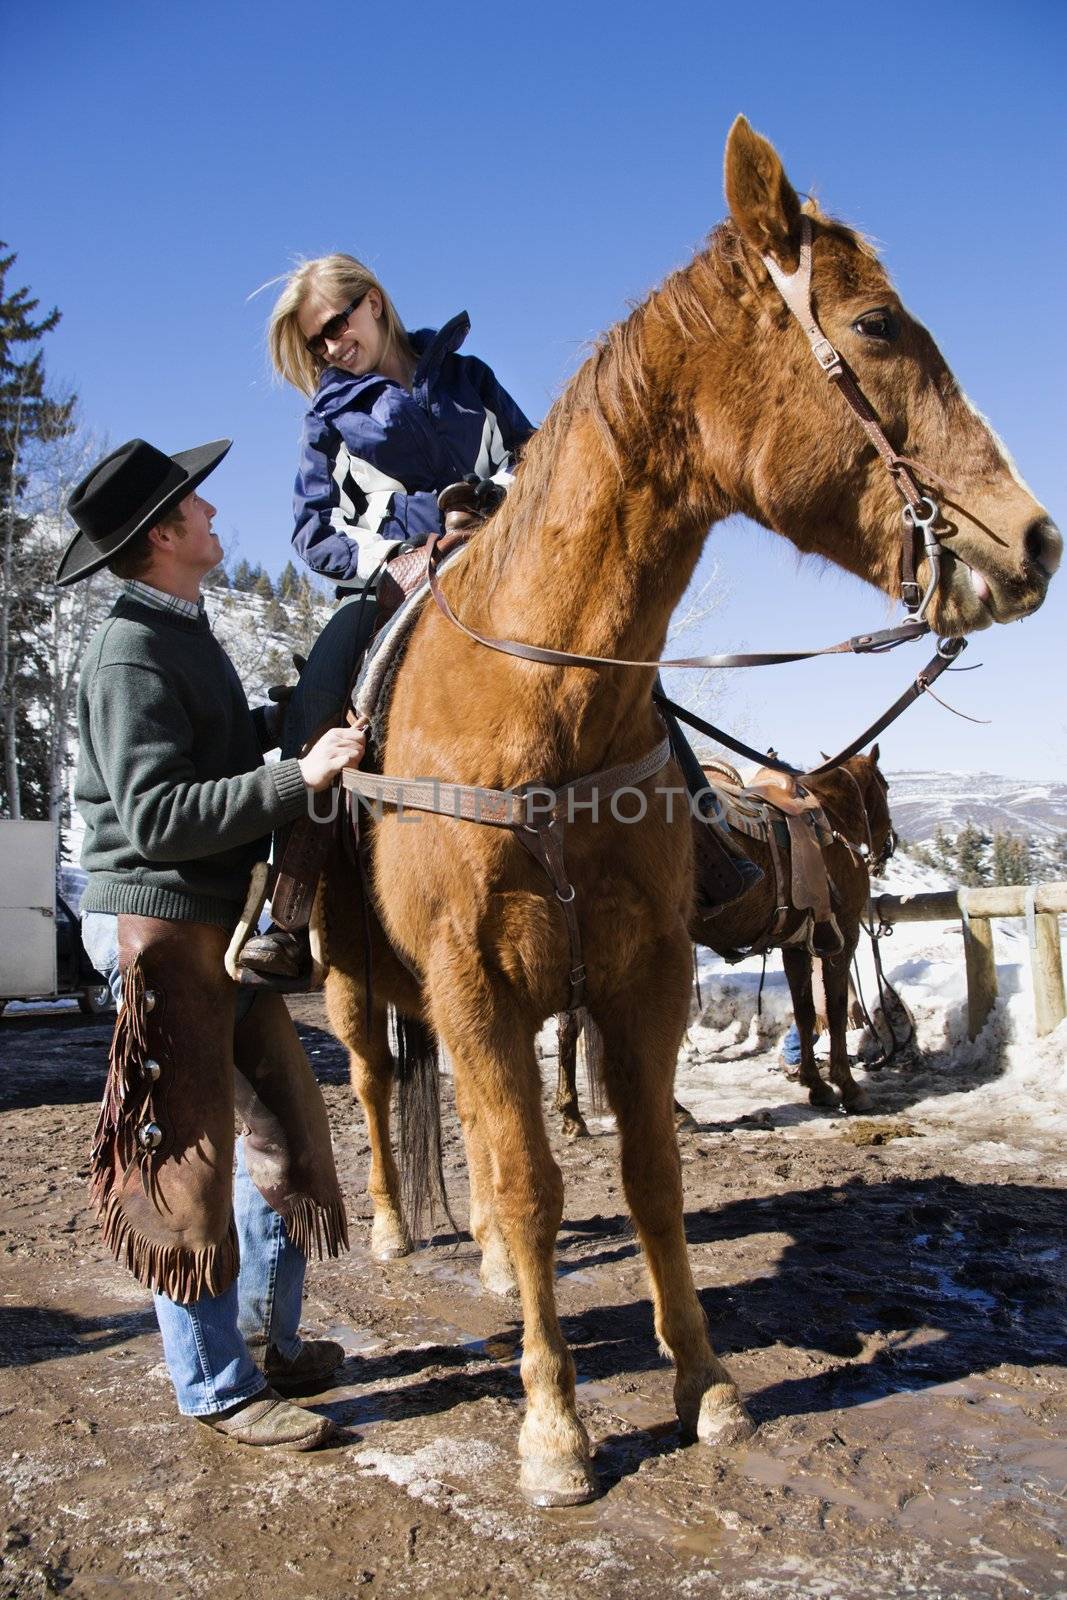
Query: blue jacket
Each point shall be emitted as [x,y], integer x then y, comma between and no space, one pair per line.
[374,456]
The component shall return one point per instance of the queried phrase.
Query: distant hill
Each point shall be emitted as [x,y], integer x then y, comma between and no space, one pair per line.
[921,802]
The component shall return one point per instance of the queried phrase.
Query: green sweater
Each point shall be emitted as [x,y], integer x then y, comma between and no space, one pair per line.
[177,802]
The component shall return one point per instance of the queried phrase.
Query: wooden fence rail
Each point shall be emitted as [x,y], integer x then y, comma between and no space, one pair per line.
[1041,905]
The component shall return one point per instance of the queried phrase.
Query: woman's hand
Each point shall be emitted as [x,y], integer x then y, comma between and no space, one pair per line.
[329,756]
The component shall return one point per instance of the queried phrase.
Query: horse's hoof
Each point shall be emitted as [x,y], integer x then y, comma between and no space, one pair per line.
[575,1128]
[821,1094]
[685,1122]
[723,1420]
[548,1482]
[389,1240]
[857,1102]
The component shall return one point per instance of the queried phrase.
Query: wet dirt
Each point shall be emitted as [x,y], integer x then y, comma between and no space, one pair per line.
[894,1315]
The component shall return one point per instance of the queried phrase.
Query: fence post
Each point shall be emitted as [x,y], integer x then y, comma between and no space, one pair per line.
[981,968]
[1046,965]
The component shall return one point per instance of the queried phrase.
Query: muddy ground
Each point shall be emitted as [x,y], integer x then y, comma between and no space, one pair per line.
[893,1312]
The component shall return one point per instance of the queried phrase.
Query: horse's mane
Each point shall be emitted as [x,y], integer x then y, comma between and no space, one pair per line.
[613,387]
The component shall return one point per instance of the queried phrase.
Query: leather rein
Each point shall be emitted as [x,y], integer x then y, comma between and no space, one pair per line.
[920,514]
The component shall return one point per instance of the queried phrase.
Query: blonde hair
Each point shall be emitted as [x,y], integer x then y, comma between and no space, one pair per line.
[342,278]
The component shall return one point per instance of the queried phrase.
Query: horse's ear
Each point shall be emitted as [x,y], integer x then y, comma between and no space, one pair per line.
[762,201]
[873,752]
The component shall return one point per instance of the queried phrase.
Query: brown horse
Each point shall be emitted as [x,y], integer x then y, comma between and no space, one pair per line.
[854,806]
[853,802]
[705,401]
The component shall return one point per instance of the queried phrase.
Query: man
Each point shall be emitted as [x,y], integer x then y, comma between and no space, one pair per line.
[178,807]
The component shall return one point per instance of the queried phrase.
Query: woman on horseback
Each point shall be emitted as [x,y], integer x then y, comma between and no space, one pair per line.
[394,418]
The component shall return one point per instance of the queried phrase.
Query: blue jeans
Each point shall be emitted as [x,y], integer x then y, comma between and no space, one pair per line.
[791,1046]
[204,1342]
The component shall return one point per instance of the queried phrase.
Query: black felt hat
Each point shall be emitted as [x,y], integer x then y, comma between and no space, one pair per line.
[129,491]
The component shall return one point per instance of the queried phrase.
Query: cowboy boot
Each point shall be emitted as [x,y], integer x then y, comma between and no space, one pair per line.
[723,872]
[281,958]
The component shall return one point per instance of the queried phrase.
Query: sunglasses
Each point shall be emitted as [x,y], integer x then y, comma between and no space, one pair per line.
[333,329]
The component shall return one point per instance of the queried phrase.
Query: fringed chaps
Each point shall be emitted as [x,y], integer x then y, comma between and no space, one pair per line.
[162,1156]
[286,1132]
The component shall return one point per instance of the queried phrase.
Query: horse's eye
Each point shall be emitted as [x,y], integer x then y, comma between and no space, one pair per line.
[880,324]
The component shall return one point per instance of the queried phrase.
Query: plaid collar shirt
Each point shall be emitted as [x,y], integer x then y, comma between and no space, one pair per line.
[148,596]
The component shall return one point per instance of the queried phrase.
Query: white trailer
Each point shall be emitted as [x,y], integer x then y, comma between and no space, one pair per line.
[41,954]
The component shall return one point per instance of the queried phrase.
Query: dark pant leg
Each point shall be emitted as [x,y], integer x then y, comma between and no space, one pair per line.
[319,696]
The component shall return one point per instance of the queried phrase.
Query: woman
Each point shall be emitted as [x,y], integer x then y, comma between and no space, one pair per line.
[394,418]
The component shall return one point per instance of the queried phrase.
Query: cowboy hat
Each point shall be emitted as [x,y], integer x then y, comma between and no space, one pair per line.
[130,490]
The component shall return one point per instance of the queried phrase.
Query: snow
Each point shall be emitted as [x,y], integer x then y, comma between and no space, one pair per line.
[1003,1094]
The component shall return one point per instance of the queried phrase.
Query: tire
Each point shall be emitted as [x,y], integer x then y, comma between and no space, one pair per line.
[95,1001]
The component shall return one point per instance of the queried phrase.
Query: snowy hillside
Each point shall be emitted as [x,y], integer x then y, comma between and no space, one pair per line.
[261,634]
[922,802]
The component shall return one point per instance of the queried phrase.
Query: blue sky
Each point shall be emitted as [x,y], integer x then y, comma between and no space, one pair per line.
[541,166]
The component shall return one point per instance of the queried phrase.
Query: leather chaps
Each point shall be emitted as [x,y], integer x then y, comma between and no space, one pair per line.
[179,1074]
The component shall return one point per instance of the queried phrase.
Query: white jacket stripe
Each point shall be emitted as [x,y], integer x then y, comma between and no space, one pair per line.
[365,498]
[492,452]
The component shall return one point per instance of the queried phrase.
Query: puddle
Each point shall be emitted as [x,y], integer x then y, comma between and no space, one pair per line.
[635,1408]
[773,1472]
[355,1341]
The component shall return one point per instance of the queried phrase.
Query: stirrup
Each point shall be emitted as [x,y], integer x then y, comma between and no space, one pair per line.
[250,915]
[255,900]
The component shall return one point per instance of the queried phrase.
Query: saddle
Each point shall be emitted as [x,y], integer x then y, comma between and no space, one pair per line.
[775,804]
[810,887]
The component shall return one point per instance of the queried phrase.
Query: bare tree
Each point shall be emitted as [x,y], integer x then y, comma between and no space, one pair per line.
[71,615]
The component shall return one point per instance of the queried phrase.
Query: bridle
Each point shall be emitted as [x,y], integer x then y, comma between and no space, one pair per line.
[921,513]
[875,861]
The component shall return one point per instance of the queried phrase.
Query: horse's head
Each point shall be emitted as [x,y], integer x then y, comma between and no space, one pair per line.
[800,461]
[872,789]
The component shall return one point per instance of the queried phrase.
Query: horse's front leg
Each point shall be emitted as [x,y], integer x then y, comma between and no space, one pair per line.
[798,970]
[835,978]
[370,1066]
[492,1049]
[642,1028]
[496,1271]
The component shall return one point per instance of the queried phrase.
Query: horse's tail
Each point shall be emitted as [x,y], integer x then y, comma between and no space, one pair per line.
[419,1104]
[591,1040]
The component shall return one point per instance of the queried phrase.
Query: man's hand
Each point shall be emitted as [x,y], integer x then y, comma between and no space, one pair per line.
[329,756]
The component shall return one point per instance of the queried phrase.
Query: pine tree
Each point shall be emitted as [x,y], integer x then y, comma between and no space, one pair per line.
[970,848]
[308,615]
[29,418]
[1011,858]
[243,577]
[942,853]
[263,585]
[288,582]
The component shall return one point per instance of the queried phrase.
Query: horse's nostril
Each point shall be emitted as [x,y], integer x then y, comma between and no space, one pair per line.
[1043,544]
